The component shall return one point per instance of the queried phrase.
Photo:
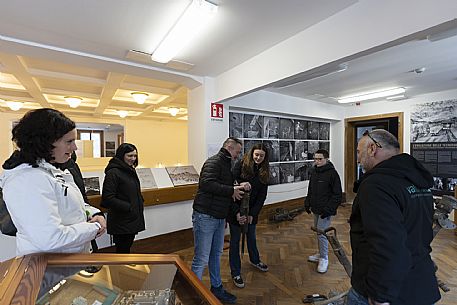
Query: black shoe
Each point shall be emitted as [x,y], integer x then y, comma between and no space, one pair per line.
[261,266]
[223,295]
[238,281]
[311,298]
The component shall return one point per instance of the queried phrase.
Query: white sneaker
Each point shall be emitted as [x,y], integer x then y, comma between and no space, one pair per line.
[323,265]
[314,258]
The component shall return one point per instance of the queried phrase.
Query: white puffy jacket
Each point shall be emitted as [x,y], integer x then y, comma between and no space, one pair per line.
[48,210]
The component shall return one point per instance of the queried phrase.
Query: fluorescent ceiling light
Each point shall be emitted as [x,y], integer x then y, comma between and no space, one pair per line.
[396,97]
[192,21]
[122,113]
[73,101]
[371,95]
[15,106]
[139,97]
[173,111]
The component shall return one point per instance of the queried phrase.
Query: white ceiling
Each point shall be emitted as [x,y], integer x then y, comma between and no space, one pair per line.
[50,49]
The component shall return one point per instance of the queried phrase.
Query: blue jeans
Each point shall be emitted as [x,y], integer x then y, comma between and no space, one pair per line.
[234,252]
[322,242]
[355,298]
[208,246]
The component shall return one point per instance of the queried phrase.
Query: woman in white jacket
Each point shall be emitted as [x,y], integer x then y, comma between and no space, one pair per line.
[44,202]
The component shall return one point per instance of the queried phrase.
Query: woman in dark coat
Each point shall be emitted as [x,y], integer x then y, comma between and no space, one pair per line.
[255,169]
[122,197]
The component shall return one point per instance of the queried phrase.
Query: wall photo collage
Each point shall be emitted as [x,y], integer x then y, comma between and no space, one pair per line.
[291,142]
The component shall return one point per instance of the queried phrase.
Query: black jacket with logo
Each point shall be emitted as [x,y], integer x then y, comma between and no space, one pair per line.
[121,195]
[391,232]
[324,190]
[215,186]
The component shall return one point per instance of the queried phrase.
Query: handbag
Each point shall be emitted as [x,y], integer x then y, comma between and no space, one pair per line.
[6,224]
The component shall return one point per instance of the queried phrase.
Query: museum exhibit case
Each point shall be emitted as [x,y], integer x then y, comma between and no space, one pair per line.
[96,279]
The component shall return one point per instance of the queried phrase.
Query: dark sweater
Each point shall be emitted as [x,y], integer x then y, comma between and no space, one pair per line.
[215,186]
[391,232]
[122,197]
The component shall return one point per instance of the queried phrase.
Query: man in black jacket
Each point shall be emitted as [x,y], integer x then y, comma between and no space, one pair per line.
[391,227]
[323,198]
[211,206]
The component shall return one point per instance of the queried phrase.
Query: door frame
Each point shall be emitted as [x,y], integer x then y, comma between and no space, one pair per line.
[350,149]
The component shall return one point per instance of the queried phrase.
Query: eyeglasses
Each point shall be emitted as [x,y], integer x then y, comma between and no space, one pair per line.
[367,133]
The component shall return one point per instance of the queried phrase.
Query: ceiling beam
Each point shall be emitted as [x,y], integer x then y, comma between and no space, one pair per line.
[144,88]
[113,82]
[73,77]
[18,68]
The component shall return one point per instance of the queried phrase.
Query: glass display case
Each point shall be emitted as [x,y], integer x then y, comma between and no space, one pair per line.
[101,279]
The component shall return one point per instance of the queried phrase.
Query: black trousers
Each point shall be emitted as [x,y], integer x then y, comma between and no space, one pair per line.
[123,242]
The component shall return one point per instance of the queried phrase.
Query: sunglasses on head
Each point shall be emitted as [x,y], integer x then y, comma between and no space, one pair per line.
[367,133]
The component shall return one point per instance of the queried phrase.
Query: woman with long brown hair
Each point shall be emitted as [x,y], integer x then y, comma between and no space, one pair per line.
[255,169]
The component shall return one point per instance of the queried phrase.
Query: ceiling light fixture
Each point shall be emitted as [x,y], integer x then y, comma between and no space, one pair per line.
[192,21]
[73,101]
[15,106]
[371,95]
[122,113]
[173,111]
[139,97]
[396,97]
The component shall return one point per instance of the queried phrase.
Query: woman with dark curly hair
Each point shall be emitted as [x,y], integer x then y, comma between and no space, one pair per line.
[255,169]
[44,202]
[122,197]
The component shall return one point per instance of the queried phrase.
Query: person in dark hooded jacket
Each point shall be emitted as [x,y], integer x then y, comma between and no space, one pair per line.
[121,195]
[323,198]
[391,227]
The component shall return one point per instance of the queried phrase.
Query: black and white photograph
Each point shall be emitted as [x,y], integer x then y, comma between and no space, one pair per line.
[236,124]
[273,149]
[300,129]
[302,171]
[324,131]
[313,130]
[92,186]
[324,145]
[110,153]
[286,128]
[253,126]
[248,144]
[286,171]
[274,174]
[110,145]
[301,150]
[286,150]
[271,127]
[182,175]
[434,122]
[313,146]
[146,178]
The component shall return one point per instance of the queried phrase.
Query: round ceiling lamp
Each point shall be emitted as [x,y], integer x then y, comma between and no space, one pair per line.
[122,113]
[139,97]
[173,111]
[15,106]
[73,101]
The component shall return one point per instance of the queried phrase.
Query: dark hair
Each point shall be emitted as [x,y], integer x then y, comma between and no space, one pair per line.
[323,152]
[37,131]
[247,171]
[123,149]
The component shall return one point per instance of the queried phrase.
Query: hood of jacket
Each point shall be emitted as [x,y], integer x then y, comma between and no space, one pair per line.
[15,167]
[119,164]
[324,168]
[406,167]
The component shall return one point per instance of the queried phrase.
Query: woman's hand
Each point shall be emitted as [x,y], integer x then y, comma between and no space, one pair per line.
[241,219]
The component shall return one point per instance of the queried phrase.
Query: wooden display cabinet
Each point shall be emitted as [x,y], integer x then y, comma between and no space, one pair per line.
[99,279]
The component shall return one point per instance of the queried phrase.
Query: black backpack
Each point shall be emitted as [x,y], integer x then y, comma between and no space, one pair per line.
[6,224]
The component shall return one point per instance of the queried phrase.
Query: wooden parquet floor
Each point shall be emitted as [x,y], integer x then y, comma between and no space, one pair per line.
[285,247]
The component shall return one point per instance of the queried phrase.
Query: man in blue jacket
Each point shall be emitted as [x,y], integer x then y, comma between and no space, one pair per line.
[391,227]
[211,206]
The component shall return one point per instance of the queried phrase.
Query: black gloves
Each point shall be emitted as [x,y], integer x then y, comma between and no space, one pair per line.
[308,209]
